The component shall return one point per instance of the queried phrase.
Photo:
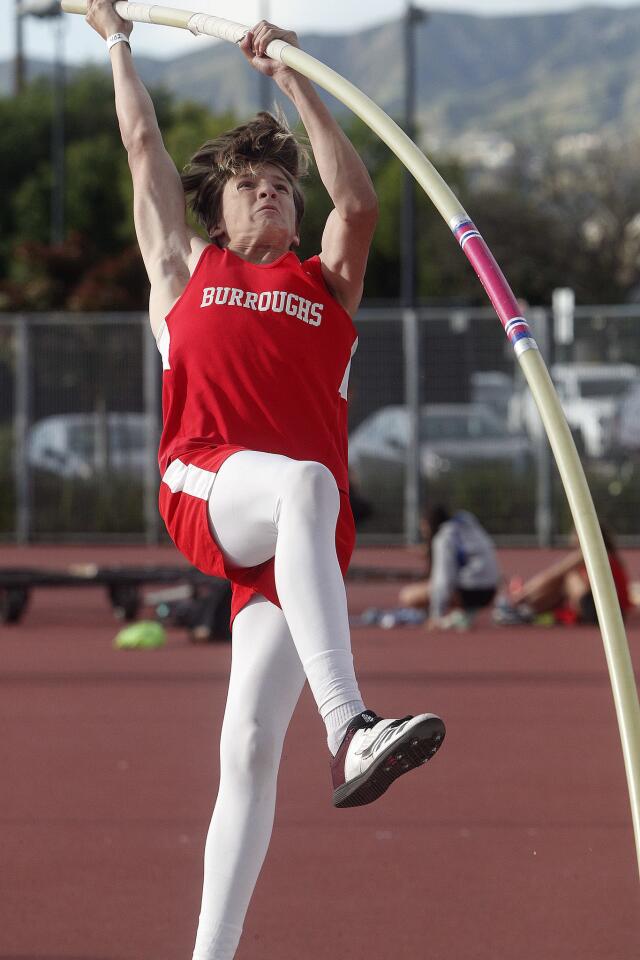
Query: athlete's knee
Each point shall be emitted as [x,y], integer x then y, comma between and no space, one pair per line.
[311,487]
[250,752]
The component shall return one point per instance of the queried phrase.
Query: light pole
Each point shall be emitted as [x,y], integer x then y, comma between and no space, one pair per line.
[264,84]
[411,329]
[413,17]
[49,9]
[18,63]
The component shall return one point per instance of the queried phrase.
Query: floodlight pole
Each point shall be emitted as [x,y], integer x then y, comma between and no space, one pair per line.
[57,138]
[47,10]
[413,17]
[411,332]
[263,80]
[18,63]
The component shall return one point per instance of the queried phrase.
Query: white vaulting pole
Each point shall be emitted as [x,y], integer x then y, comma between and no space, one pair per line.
[623,684]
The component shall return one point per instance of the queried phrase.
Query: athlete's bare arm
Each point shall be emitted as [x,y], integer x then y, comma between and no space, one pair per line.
[349,229]
[169,247]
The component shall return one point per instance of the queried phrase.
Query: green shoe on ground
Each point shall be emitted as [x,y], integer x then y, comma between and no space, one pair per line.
[144,635]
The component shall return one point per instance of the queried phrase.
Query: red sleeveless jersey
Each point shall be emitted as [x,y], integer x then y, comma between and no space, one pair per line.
[257,355]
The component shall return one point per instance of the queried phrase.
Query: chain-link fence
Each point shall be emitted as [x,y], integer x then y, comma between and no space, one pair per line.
[438,411]
[79,427]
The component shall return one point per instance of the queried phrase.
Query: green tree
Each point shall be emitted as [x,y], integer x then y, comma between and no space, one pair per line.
[25,122]
[551,220]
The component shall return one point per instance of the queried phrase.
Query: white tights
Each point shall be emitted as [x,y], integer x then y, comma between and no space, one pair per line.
[262,506]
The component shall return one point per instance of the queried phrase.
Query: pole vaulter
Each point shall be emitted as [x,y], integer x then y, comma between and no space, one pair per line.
[621,674]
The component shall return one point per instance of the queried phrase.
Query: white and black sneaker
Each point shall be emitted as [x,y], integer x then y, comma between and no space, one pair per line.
[510,614]
[375,752]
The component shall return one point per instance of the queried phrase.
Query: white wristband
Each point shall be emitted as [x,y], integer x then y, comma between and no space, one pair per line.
[117,38]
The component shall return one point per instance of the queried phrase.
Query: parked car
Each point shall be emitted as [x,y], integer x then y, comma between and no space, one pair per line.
[451,434]
[494,389]
[81,445]
[589,394]
[626,424]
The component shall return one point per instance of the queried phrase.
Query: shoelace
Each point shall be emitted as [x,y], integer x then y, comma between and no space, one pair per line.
[370,746]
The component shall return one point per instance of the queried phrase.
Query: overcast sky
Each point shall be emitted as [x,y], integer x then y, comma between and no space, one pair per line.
[327,16]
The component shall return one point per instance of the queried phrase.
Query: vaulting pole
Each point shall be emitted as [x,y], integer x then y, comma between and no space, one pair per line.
[517,330]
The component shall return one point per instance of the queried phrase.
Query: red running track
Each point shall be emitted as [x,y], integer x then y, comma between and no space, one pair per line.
[515,842]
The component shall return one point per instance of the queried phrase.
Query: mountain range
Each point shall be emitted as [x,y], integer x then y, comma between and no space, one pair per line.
[481,82]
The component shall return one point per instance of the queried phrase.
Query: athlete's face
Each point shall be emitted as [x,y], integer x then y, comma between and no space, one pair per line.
[259,207]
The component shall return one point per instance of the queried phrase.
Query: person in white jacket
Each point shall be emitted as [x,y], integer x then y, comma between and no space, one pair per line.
[463,571]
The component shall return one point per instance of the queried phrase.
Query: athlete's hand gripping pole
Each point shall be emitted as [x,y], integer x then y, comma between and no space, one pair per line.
[584,516]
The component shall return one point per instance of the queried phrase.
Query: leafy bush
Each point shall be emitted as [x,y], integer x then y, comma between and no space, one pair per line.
[503,500]
[7,483]
[106,504]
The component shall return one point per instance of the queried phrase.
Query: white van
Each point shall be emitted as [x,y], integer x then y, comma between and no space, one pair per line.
[589,394]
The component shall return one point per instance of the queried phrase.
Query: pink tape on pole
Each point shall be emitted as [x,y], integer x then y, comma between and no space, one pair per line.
[495,283]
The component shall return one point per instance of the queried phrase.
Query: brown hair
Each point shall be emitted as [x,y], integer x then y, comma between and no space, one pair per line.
[264,139]
[434,515]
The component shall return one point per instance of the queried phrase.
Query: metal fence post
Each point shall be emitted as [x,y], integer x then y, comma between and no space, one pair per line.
[21,417]
[411,345]
[541,322]
[152,433]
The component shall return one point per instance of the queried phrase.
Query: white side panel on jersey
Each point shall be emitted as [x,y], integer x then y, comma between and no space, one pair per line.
[187,478]
[344,386]
[163,342]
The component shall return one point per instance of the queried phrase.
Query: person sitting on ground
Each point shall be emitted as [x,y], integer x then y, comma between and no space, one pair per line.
[462,568]
[563,590]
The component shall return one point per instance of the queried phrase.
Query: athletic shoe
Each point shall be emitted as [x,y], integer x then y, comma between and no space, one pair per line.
[457,620]
[508,614]
[375,752]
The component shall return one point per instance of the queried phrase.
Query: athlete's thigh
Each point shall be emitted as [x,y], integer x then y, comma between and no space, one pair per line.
[242,506]
[266,674]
